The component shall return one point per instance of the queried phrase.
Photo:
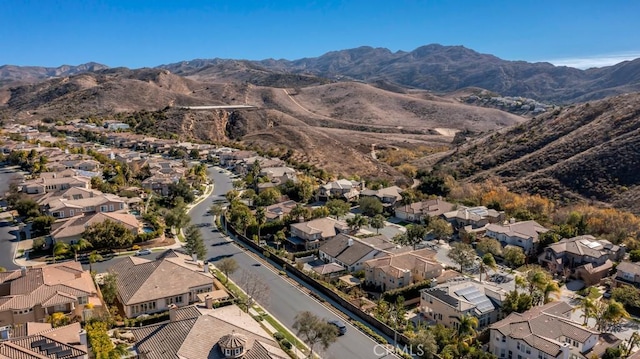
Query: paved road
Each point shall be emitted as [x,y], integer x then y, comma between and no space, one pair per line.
[285,300]
[8,241]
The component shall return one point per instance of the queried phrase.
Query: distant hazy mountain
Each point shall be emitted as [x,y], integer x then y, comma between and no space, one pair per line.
[11,73]
[447,68]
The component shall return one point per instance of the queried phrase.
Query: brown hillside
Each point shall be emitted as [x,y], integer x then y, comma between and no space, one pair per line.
[588,151]
[332,125]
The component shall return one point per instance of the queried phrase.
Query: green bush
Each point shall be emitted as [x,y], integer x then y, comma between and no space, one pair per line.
[305,253]
[279,336]
[286,344]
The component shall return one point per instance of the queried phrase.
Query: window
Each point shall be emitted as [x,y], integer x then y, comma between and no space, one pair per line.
[502,353]
[103,208]
[82,300]
[110,208]
[72,213]
[121,205]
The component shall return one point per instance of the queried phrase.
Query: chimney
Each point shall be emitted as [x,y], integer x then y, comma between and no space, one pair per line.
[83,337]
[172,312]
[194,256]
[23,271]
[512,220]
[349,242]
[206,267]
[208,302]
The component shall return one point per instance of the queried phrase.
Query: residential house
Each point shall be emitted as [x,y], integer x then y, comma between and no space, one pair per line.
[197,332]
[475,217]
[521,234]
[277,176]
[229,159]
[310,235]
[547,332]
[146,286]
[41,340]
[445,303]
[70,231]
[32,294]
[582,257]
[388,196]
[160,183]
[278,211]
[44,184]
[420,211]
[352,252]
[628,273]
[85,203]
[342,189]
[398,270]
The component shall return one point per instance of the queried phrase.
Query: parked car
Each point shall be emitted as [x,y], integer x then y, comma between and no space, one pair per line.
[342,329]
[143,252]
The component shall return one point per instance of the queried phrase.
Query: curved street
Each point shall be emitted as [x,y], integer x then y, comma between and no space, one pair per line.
[285,299]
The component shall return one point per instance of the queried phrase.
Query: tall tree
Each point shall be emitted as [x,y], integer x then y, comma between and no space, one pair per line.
[488,262]
[440,228]
[314,330]
[94,257]
[424,340]
[227,266]
[279,238]
[588,307]
[108,234]
[255,289]
[466,329]
[337,208]
[463,254]
[370,206]
[194,243]
[261,218]
[356,222]
[60,249]
[377,222]
[514,256]
[489,245]
[78,246]
[109,288]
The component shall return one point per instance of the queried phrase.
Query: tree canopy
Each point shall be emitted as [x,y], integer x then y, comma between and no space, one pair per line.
[108,234]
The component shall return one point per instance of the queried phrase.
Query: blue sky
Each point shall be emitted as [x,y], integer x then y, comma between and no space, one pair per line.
[137,33]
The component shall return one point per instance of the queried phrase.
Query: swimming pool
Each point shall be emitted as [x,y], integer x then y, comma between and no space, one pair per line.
[148,229]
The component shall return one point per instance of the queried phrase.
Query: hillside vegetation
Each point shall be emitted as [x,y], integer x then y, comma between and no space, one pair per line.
[589,151]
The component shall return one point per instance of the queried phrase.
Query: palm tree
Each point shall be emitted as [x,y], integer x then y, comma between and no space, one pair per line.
[94,257]
[487,262]
[261,218]
[467,325]
[357,222]
[80,245]
[377,222]
[588,307]
[279,238]
[551,287]
[118,351]
[60,249]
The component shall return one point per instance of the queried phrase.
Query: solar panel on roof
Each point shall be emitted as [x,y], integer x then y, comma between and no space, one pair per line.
[38,343]
[64,353]
[46,346]
[53,350]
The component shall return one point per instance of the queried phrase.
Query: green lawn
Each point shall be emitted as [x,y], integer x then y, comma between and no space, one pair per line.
[292,339]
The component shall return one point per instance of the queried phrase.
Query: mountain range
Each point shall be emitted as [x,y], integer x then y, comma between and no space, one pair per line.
[339,110]
[437,68]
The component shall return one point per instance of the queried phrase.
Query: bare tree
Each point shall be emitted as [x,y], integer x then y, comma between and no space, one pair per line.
[314,330]
[227,266]
[256,290]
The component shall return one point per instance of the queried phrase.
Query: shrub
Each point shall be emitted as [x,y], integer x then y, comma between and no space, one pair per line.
[286,344]
[279,336]
[135,247]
